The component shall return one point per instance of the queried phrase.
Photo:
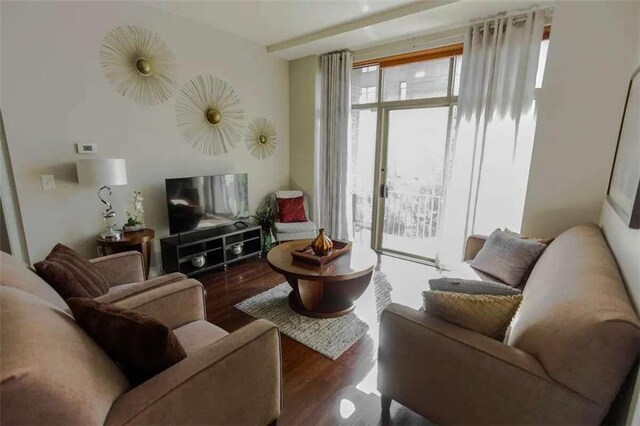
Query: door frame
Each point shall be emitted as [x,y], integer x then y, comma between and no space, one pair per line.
[382,128]
[382,153]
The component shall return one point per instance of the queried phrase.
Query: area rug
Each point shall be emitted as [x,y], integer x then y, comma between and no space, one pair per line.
[330,336]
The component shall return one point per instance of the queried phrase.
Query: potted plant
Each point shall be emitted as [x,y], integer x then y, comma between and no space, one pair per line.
[134,213]
[265,217]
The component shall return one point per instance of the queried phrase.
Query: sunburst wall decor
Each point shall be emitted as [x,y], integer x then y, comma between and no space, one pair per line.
[139,63]
[261,138]
[209,115]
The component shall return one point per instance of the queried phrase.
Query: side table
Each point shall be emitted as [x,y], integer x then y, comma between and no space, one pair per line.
[138,240]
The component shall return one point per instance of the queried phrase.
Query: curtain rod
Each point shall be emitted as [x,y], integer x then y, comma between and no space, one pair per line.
[546,11]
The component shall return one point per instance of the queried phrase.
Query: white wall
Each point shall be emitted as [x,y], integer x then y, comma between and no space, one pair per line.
[54,94]
[580,107]
[303,103]
[625,245]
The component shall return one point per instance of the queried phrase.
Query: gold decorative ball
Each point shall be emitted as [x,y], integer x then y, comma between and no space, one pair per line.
[262,139]
[213,116]
[143,66]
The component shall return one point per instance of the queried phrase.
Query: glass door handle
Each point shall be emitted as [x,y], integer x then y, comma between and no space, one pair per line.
[384,191]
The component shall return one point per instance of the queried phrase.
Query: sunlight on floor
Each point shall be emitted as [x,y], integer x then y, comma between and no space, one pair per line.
[346,408]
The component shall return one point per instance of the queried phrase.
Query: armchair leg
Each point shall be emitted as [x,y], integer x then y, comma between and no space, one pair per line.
[385,403]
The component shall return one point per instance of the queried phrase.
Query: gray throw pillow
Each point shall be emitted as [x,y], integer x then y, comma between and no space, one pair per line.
[507,257]
[459,285]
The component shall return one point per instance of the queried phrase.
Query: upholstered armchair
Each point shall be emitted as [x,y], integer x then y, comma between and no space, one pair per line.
[293,230]
[53,372]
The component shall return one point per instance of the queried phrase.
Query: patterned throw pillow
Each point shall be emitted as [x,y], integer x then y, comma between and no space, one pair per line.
[291,210]
[486,314]
[142,345]
[71,275]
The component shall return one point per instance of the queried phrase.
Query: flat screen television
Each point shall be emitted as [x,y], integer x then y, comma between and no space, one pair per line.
[206,201]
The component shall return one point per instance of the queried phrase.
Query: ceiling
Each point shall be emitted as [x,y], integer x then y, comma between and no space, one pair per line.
[293,29]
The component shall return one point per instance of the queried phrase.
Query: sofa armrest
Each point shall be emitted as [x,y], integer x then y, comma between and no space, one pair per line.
[236,380]
[452,375]
[174,304]
[121,268]
[473,246]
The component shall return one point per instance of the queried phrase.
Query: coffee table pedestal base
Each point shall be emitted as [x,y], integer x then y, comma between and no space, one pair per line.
[326,299]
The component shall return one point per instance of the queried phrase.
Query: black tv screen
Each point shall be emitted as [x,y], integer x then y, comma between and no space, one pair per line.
[205,201]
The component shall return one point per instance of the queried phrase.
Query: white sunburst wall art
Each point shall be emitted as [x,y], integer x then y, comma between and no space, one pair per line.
[139,64]
[261,138]
[209,115]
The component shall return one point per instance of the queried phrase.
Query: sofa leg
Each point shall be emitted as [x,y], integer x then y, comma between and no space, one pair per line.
[385,403]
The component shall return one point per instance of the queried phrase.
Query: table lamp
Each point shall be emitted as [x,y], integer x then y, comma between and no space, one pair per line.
[104,173]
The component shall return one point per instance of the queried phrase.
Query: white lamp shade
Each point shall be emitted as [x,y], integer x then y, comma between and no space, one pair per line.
[102,171]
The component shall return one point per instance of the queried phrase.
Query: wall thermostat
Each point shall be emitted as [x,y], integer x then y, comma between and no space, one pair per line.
[87,148]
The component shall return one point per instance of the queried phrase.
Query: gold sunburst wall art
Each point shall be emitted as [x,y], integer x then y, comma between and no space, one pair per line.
[139,63]
[261,138]
[209,115]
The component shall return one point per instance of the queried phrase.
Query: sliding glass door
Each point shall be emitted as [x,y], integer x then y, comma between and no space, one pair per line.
[412,175]
[401,120]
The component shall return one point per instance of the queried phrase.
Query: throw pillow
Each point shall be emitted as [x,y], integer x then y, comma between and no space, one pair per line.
[291,210]
[71,275]
[546,241]
[507,257]
[142,345]
[486,314]
[459,285]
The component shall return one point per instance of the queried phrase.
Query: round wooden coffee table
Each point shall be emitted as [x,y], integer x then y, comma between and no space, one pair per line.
[324,291]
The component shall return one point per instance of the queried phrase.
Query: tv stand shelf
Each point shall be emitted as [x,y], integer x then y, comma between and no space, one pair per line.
[215,244]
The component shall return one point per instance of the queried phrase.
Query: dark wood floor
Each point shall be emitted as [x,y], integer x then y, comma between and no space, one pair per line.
[318,390]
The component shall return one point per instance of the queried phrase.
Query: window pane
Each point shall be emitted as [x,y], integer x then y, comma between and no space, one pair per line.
[542,63]
[427,79]
[456,78]
[364,85]
[361,174]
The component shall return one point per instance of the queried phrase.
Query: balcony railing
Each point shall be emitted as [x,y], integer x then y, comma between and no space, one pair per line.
[407,214]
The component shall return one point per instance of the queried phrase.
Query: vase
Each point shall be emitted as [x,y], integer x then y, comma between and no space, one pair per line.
[322,245]
[266,241]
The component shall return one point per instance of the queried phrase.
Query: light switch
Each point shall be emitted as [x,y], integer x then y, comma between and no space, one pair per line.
[48,182]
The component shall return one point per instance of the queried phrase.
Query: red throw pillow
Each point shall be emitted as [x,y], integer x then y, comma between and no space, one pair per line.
[291,210]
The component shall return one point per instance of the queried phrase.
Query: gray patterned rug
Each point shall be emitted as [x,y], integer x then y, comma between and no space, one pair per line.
[330,336]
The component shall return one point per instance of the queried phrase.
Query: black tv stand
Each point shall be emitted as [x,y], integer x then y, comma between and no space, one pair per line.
[220,247]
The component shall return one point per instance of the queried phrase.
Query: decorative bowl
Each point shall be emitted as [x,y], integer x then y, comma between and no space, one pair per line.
[236,249]
[198,261]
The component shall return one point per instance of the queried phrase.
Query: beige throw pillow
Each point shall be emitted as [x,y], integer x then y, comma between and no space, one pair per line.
[486,314]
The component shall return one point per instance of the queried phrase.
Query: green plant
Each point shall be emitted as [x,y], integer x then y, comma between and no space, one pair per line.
[265,216]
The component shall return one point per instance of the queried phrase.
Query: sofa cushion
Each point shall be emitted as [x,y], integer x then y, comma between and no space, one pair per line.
[71,275]
[507,257]
[18,275]
[486,314]
[198,335]
[52,371]
[142,345]
[576,317]
[123,291]
[294,227]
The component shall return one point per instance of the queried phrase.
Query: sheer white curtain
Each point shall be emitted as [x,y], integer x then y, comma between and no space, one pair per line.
[488,163]
[331,163]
